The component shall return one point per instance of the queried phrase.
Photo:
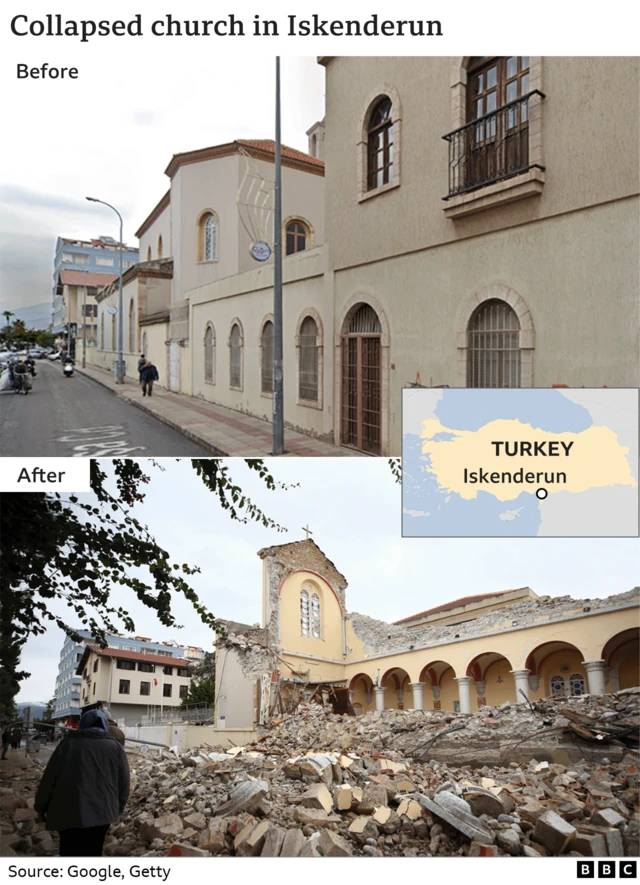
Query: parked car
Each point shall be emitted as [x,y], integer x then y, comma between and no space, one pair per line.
[54,356]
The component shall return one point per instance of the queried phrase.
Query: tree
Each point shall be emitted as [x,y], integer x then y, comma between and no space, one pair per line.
[202,688]
[76,550]
[7,314]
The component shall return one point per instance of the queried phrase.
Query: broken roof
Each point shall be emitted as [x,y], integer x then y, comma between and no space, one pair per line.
[455,603]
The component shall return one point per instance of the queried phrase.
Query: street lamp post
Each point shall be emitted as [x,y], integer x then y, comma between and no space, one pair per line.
[278,378]
[120,362]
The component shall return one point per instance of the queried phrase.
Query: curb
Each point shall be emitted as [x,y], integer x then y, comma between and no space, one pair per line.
[194,437]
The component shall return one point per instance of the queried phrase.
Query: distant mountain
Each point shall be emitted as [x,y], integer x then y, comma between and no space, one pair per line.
[37,316]
[37,708]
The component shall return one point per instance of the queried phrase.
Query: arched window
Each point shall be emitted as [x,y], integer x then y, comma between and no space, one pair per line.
[266,346]
[297,236]
[148,253]
[557,684]
[209,354]
[308,367]
[235,347]
[144,343]
[113,332]
[209,237]
[316,624]
[132,328]
[576,684]
[304,612]
[160,246]
[380,145]
[493,346]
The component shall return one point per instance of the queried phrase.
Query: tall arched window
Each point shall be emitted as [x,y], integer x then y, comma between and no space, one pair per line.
[297,234]
[493,346]
[308,368]
[209,354]
[113,332]
[304,612]
[380,145]
[557,684]
[266,347]
[316,624]
[160,246]
[576,684]
[209,247]
[235,356]
[132,328]
[148,253]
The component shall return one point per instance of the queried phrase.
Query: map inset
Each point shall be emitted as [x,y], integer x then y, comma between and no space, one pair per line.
[520,463]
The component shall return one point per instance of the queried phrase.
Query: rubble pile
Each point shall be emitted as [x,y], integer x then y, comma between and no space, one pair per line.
[563,778]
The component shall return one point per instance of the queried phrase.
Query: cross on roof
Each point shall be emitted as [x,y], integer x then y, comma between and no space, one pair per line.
[307,530]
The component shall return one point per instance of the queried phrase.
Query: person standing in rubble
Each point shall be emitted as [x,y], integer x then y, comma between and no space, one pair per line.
[85,787]
[114,730]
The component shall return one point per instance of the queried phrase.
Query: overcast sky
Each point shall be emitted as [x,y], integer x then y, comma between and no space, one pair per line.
[353,508]
[115,141]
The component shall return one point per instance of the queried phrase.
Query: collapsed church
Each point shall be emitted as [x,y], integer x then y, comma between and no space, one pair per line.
[509,645]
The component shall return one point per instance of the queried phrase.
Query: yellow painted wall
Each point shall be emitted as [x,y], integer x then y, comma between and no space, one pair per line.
[496,692]
[629,673]
[291,639]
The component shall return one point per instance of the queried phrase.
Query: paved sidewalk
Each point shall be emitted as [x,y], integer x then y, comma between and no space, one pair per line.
[223,431]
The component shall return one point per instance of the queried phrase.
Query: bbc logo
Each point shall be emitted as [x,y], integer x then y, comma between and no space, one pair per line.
[627,869]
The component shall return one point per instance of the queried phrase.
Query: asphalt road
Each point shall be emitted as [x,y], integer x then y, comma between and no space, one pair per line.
[75,417]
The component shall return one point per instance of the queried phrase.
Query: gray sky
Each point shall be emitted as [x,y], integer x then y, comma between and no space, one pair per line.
[353,508]
[101,137]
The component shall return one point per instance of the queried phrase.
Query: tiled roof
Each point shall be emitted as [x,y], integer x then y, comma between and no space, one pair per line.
[455,603]
[86,278]
[132,656]
[269,145]
[259,148]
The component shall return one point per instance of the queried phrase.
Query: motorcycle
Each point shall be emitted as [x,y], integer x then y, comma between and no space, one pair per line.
[67,370]
[21,383]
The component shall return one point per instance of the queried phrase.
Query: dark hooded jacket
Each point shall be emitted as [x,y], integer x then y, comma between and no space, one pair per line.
[86,781]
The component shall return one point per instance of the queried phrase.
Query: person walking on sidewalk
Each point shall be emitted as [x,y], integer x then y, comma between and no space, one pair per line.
[142,362]
[6,740]
[85,787]
[148,375]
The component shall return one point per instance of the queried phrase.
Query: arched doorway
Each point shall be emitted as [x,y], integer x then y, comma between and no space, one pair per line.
[621,655]
[556,670]
[491,673]
[361,380]
[361,694]
[397,693]
[440,691]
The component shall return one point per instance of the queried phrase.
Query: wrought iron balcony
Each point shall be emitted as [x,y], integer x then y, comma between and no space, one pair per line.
[490,148]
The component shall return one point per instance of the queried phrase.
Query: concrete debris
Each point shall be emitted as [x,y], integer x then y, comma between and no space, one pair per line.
[317,784]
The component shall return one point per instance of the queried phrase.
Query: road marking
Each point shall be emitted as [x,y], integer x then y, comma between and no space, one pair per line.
[96,442]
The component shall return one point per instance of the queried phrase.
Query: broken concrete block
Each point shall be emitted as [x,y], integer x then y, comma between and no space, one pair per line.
[196,820]
[604,817]
[332,845]
[590,844]
[405,786]
[372,797]
[250,842]
[483,801]
[457,812]
[293,843]
[615,845]
[363,828]
[241,797]
[381,815]
[317,796]
[393,823]
[314,816]
[167,827]
[273,842]
[213,838]
[553,832]
[410,808]
[310,849]
[343,798]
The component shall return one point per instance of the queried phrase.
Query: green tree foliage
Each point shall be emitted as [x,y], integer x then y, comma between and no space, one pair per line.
[202,689]
[76,549]
[16,336]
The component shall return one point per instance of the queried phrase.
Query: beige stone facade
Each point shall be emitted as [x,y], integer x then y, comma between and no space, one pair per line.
[490,648]
[396,271]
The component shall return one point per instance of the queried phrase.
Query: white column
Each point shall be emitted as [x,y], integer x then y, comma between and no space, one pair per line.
[379,693]
[521,678]
[416,687]
[464,692]
[595,675]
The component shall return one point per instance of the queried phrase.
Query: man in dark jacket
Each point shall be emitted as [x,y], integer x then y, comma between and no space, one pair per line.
[148,375]
[85,787]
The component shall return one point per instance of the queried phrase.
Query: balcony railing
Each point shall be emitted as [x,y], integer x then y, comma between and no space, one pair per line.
[491,148]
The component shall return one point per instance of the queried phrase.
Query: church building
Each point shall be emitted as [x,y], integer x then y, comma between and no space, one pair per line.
[508,645]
